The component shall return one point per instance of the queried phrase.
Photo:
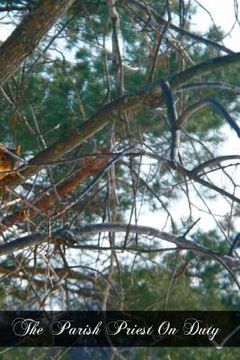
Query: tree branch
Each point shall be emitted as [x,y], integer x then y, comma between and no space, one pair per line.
[150,95]
[62,189]
[70,238]
[193,175]
[19,272]
[214,161]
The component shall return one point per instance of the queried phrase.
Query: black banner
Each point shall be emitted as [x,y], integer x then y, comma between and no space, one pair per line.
[120,329]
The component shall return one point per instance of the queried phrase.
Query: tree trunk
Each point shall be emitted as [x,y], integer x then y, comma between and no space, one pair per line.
[27,35]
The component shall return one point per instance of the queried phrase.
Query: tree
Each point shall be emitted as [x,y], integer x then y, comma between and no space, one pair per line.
[118,111]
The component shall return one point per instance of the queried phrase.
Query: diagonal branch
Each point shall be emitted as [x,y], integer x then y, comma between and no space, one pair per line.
[62,189]
[198,179]
[150,95]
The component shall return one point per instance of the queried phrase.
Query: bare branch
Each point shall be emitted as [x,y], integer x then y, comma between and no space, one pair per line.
[70,238]
[214,161]
[182,31]
[197,178]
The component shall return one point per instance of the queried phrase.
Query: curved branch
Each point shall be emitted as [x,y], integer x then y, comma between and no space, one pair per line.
[225,260]
[224,112]
[204,102]
[203,68]
[214,161]
[69,238]
[206,84]
[191,110]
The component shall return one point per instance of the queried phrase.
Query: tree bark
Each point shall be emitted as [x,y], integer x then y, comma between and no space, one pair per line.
[27,35]
[62,189]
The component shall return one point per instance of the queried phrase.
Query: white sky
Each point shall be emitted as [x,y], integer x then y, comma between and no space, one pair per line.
[5,31]
[222,12]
